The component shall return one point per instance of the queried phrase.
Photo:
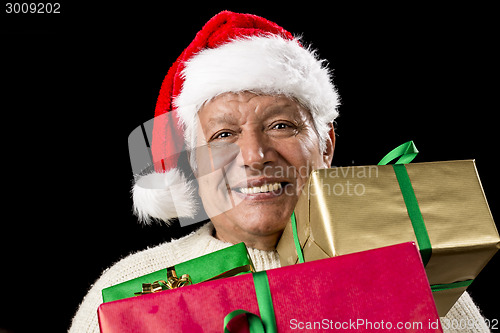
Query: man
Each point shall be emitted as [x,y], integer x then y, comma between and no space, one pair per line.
[255,110]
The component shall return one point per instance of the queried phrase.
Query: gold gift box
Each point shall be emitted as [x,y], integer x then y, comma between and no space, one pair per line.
[350,209]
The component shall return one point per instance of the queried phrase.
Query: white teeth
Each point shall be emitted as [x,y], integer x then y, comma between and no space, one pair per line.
[260,189]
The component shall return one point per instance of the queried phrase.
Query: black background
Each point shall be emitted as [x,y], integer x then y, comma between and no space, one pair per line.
[75,84]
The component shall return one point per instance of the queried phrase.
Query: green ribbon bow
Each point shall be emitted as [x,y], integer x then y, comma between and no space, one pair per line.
[266,323]
[408,151]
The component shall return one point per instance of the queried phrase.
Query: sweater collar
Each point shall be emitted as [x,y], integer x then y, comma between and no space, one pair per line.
[262,260]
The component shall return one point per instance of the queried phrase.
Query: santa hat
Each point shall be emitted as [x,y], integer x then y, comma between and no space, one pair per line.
[232,53]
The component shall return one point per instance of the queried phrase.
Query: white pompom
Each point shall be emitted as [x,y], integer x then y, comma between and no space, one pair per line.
[163,196]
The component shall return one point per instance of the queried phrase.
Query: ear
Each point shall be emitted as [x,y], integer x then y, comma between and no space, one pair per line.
[330,147]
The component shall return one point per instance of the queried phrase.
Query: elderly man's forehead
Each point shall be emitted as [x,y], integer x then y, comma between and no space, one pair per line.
[228,108]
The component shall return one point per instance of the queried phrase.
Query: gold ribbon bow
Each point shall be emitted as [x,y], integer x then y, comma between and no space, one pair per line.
[173,281]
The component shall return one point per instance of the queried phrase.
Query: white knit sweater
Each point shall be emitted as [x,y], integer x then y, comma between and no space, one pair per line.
[197,244]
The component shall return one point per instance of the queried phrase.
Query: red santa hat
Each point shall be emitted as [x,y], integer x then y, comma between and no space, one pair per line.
[232,53]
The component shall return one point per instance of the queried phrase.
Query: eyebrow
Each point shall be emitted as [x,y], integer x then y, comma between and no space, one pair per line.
[227,118]
[221,118]
[280,108]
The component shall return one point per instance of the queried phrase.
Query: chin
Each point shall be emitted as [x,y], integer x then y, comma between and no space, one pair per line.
[264,227]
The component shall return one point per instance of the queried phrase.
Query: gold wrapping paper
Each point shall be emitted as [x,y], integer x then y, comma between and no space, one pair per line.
[351,209]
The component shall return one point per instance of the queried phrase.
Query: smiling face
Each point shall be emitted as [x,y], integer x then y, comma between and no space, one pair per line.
[260,150]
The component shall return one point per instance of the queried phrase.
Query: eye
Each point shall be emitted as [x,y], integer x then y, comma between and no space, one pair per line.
[221,135]
[281,126]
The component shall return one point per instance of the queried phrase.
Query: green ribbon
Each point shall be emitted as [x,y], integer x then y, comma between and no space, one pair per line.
[300,254]
[406,153]
[446,286]
[254,323]
[266,323]
[265,301]
[413,209]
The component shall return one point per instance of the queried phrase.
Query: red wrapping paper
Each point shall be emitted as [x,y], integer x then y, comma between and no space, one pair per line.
[381,289]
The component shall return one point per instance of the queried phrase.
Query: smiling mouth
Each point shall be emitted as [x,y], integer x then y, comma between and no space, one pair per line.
[277,186]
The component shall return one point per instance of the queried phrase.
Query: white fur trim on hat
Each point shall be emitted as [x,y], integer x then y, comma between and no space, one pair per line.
[264,64]
[163,196]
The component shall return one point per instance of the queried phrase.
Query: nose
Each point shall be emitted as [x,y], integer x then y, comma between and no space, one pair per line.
[256,150]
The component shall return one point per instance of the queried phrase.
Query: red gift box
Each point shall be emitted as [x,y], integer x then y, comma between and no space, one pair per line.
[381,289]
